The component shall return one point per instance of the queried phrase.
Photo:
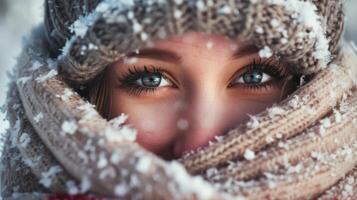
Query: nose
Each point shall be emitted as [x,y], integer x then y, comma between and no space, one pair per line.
[201,120]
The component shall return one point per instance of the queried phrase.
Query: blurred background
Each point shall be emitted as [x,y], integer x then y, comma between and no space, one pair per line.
[17,17]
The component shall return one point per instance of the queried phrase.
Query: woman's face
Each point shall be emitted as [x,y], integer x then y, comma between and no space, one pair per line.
[185,90]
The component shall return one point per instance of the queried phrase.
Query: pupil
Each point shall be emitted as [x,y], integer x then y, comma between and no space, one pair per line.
[253,77]
[152,80]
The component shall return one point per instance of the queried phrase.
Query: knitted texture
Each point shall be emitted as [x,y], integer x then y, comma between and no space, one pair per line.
[291,30]
[304,147]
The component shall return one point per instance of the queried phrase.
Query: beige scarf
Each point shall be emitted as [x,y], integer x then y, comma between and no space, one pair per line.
[304,147]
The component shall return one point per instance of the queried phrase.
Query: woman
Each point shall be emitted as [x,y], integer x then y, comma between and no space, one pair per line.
[180,94]
[211,78]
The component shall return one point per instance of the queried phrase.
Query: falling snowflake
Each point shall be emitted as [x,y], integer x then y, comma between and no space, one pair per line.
[249,154]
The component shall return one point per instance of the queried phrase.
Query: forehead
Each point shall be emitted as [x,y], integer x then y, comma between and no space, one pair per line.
[192,47]
[201,41]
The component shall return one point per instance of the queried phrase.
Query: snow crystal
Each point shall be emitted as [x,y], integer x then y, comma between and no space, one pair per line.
[274,23]
[269,139]
[119,120]
[65,49]
[209,45]
[115,157]
[310,110]
[316,155]
[67,93]
[266,52]
[107,173]
[253,122]
[30,162]
[275,111]
[326,122]
[35,65]
[302,80]
[102,162]
[271,180]
[24,140]
[294,102]
[134,181]
[144,36]
[52,63]
[284,40]
[124,133]
[83,50]
[137,27]
[130,60]
[46,177]
[259,30]
[337,141]
[188,184]
[92,46]
[121,189]
[182,124]
[322,130]
[348,189]
[249,154]
[272,184]
[295,169]
[130,15]
[85,184]
[89,110]
[225,9]
[177,14]
[211,172]
[178,2]
[69,127]
[210,143]
[200,5]
[338,116]
[72,189]
[38,117]
[283,145]
[47,76]
[23,80]
[80,26]
[219,138]
[144,164]
[307,15]
[350,180]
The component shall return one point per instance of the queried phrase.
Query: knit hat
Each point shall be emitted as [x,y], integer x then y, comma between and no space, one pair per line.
[305,35]
[301,148]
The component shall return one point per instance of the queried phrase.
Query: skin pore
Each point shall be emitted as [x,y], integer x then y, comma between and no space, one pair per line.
[185,90]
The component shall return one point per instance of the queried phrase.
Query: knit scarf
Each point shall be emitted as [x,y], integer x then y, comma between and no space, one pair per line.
[303,147]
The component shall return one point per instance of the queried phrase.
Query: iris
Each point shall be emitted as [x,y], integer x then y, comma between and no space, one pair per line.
[253,77]
[150,80]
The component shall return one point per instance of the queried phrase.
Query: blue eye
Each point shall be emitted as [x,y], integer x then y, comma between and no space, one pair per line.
[254,77]
[146,79]
[152,80]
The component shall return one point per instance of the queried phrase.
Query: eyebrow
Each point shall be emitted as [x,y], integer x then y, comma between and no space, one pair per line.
[244,51]
[159,54]
[169,56]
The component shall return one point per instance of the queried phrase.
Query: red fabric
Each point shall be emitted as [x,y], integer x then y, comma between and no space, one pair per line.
[73,197]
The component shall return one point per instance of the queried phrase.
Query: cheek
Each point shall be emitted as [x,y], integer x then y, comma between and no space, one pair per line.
[155,121]
[240,106]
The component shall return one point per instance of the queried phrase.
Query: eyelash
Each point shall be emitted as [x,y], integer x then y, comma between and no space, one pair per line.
[269,66]
[127,80]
